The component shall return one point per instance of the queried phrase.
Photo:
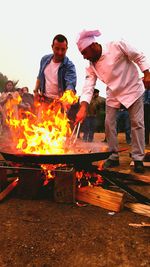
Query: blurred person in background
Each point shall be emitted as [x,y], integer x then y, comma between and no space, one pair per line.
[7,95]
[123,120]
[89,124]
[147,115]
[27,102]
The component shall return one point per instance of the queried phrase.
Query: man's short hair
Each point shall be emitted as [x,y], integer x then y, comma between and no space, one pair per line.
[60,38]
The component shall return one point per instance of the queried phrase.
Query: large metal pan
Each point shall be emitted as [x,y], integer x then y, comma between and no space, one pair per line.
[81,158]
[55,159]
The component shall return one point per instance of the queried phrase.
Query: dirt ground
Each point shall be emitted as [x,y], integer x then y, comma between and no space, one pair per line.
[43,233]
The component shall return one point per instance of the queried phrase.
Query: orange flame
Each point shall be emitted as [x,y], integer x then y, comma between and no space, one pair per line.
[42,132]
[69,97]
[92,178]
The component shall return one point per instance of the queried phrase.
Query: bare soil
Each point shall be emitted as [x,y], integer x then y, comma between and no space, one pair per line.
[43,233]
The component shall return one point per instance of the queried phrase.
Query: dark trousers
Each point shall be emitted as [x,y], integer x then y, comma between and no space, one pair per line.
[123,116]
[89,126]
[147,122]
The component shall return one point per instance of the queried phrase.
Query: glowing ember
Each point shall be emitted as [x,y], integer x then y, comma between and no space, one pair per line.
[85,178]
[42,132]
[48,170]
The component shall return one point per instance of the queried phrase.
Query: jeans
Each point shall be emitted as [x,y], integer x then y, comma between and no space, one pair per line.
[147,122]
[89,126]
[123,116]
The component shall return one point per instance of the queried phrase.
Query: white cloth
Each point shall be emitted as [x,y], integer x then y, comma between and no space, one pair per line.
[86,38]
[51,79]
[117,69]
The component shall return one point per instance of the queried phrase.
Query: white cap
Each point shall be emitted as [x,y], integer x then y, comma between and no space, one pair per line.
[86,38]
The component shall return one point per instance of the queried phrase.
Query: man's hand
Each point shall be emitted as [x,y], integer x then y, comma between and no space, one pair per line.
[81,115]
[146,79]
[37,95]
[36,92]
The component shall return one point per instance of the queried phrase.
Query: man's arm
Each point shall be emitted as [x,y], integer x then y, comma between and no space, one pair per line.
[87,93]
[37,87]
[146,79]
[81,115]
[139,58]
[70,77]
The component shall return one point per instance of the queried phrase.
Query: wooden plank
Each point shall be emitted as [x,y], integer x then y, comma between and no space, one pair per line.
[139,208]
[103,198]
[140,177]
[145,163]
[142,224]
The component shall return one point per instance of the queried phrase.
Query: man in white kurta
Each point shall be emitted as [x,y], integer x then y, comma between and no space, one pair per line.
[116,65]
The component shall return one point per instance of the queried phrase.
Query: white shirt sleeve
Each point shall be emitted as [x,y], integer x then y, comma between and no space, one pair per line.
[134,55]
[88,88]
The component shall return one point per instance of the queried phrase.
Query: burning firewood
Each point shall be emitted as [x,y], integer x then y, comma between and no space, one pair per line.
[8,189]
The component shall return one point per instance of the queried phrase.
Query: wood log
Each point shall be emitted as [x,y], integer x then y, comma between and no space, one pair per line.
[64,186]
[8,189]
[145,163]
[3,179]
[139,208]
[103,198]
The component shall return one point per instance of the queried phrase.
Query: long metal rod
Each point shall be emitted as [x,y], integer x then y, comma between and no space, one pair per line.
[36,169]
[20,168]
[73,132]
[139,197]
[76,136]
[73,138]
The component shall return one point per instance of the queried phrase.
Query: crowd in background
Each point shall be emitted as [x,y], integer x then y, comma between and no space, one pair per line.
[21,100]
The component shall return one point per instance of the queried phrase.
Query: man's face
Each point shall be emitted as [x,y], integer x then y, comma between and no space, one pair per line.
[91,53]
[59,50]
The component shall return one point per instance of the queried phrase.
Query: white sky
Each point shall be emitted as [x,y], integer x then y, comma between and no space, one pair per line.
[28,27]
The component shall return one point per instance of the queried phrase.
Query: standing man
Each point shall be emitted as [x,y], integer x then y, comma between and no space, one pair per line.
[89,124]
[124,119]
[147,116]
[57,73]
[115,64]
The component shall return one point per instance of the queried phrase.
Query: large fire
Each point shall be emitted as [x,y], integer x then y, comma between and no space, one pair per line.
[44,131]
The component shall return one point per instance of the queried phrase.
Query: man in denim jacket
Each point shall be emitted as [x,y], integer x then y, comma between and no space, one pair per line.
[57,73]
